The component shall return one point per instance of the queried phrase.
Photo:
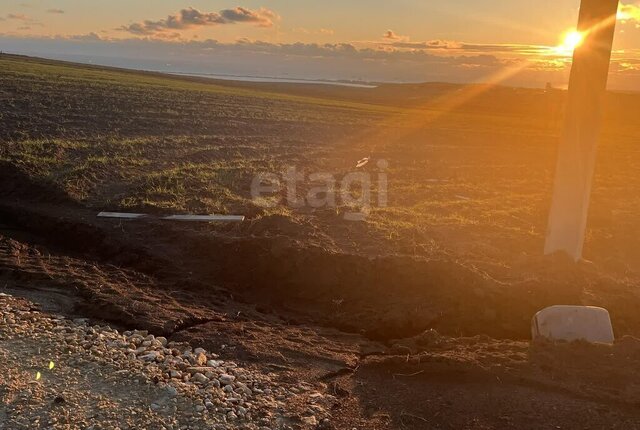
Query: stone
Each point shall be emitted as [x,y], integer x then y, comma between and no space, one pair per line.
[214,363]
[200,378]
[200,359]
[315,397]
[198,369]
[151,356]
[244,388]
[226,379]
[312,421]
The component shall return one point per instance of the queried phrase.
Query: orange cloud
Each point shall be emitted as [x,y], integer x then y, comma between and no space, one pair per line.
[26,20]
[18,16]
[629,12]
[391,35]
[192,18]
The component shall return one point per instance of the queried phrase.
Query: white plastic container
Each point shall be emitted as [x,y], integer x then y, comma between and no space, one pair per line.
[573,323]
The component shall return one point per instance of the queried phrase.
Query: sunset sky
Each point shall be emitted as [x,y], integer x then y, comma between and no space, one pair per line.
[403,40]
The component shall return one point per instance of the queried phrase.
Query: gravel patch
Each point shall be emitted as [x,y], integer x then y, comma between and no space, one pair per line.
[57,373]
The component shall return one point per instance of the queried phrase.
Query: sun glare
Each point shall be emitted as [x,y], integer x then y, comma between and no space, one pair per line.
[571,40]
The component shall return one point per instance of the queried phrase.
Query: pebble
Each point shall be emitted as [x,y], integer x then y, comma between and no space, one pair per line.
[150,356]
[226,379]
[199,377]
[200,359]
[312,421]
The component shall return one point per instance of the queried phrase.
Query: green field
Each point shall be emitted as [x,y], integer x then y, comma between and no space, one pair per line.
[470,168]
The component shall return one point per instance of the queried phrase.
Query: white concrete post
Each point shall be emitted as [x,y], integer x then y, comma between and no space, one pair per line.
[577,152]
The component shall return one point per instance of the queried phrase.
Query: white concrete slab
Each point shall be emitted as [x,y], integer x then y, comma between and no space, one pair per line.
[571,323]
[205,218]
[120,215]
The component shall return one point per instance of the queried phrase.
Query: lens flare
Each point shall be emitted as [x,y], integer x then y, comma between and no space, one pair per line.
[570,41]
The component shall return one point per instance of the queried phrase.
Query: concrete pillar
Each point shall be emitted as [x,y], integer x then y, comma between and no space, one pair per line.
[577,151]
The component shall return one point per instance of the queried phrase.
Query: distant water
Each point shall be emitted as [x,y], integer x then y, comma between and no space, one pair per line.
[159,67]
[270,80]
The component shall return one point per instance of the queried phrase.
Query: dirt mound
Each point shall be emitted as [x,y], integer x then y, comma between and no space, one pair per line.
[16,184]
[382,297]
[594,371]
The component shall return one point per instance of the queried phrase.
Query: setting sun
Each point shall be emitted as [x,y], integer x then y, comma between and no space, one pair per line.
[570,41]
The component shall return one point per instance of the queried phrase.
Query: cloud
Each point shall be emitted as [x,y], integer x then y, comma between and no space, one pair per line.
[26,20]
[18,17]
[192,18]
[429,44]
[89,37]
[262,17]
[320,31]
[391,35]
[625,65]
[292,52]
[435,60]
[55,11]
[461,47]
[629,13]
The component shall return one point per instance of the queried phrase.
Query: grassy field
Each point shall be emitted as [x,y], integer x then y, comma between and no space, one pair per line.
[113,138]
[470,168]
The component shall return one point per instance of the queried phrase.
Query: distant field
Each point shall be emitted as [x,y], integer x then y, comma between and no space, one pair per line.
[470,168]
[114,138]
